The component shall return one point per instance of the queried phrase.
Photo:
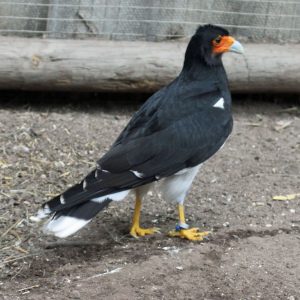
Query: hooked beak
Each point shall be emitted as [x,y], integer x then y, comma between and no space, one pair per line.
[236,47]
[227,43]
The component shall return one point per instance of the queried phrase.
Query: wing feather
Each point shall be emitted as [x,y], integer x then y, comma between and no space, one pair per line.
[173,130]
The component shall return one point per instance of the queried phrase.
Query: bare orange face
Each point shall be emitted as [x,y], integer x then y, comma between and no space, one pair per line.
[222,44]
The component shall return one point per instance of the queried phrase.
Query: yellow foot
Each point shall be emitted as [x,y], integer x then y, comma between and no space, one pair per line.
[192,234]
[136,231]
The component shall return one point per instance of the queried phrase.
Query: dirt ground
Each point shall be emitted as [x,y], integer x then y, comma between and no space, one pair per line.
[253,251]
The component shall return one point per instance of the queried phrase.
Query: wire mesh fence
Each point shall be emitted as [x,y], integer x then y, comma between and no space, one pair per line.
[151,20]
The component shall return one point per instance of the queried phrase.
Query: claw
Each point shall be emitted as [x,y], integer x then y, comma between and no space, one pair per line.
[192,234]
[138,231]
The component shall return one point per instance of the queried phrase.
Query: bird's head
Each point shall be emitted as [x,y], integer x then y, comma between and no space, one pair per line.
[209,43]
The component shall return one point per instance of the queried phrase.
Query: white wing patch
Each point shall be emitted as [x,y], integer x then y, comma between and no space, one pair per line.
[62,199]
[115,197]
[84,184]
[137,174]
[219,103]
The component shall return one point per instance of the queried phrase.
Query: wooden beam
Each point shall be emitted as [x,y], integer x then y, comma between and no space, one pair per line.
[114,66]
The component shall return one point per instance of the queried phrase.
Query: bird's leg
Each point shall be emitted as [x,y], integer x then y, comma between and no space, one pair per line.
[136,230]
[183,231]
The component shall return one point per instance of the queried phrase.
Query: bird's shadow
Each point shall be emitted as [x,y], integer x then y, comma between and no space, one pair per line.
[64,102]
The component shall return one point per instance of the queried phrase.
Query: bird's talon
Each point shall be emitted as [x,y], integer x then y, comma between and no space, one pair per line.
[138,231]
[192,234]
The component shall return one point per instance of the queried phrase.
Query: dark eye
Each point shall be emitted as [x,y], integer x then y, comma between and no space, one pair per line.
[218,40]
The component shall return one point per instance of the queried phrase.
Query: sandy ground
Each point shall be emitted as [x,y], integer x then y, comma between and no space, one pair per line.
[253,251]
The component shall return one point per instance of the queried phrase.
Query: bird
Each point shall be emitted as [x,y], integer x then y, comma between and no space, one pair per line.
[167,140]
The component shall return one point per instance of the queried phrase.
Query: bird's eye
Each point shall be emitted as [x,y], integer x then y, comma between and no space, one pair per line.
[218,40]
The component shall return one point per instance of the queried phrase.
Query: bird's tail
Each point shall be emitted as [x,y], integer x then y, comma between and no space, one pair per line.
[67,221]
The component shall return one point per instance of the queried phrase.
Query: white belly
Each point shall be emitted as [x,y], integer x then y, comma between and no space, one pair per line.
[174,188]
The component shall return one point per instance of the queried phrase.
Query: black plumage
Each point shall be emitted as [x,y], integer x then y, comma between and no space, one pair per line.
[178,127]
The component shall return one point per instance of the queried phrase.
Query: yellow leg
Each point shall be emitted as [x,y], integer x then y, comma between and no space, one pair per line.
[181,214]
[136,230]
[182,230]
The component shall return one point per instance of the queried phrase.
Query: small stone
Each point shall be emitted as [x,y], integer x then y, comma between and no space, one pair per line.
[59,164]
[180,268]
[76,295]
[166,248]
[21,149]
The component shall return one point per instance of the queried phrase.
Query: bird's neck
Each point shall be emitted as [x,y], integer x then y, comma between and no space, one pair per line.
[200,71]
[204,73]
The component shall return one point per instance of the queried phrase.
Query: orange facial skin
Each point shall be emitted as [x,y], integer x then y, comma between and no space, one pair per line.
[223,45]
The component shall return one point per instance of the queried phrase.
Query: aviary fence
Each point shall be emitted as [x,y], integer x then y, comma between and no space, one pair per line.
[130,45]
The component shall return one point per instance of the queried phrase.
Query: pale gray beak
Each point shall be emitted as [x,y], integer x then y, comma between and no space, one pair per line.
[236,47]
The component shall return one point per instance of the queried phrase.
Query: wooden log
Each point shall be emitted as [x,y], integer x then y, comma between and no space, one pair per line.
[113,66]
